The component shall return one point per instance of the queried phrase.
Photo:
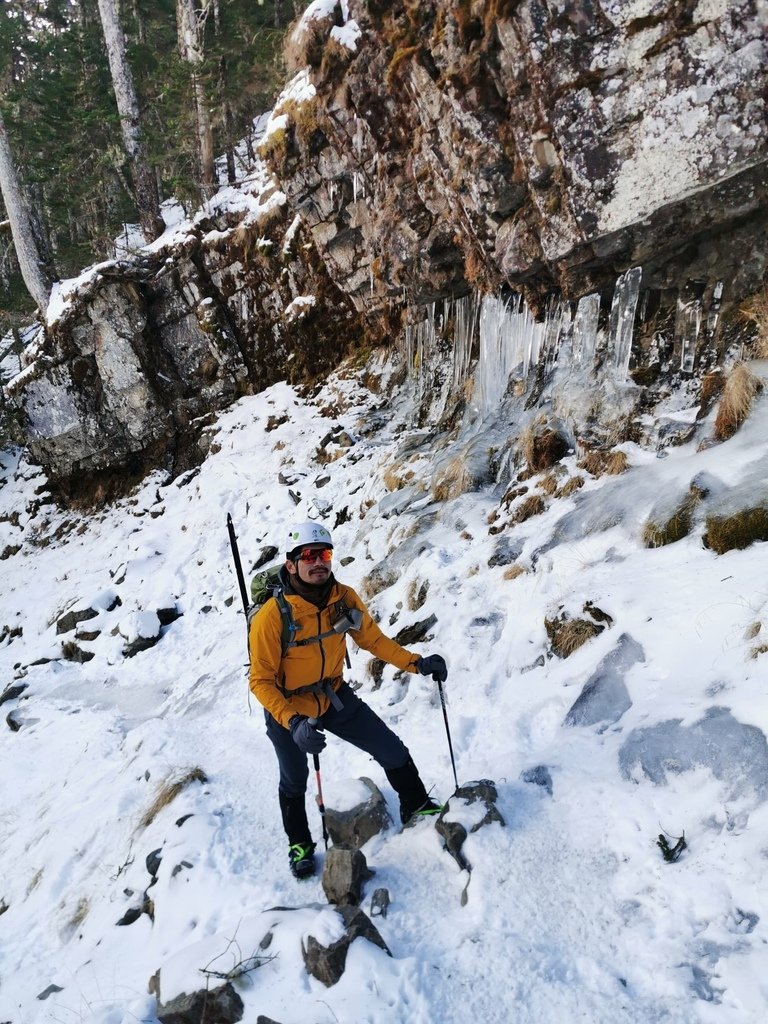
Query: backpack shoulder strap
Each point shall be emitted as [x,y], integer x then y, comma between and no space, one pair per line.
[289,627]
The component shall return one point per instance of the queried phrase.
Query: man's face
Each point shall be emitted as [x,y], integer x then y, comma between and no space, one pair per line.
[312,564]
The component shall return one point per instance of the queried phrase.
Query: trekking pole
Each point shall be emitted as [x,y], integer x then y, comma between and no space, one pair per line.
[448,733]
[238,563]
[320,802]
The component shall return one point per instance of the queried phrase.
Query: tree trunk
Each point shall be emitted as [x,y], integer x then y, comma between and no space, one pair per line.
[19,214]
[226,121]
[144,178]
[189,27]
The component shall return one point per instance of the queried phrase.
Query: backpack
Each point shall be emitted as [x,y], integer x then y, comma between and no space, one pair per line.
[266,584]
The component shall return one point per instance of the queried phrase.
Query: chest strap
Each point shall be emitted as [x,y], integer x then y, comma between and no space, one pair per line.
[324,688]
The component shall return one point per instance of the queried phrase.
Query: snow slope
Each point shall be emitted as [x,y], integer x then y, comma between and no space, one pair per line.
[572,914]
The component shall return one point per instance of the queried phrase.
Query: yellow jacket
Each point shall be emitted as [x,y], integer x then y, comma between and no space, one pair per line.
[273,676]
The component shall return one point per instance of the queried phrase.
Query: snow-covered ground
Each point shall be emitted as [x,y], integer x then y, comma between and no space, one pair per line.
[572,913]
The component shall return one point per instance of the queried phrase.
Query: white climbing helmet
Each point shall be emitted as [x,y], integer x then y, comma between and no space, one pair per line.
[307,533]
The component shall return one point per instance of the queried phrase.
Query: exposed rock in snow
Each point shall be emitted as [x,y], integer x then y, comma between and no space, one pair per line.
[734,752]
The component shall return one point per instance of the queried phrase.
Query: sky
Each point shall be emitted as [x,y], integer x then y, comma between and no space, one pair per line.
[571,912]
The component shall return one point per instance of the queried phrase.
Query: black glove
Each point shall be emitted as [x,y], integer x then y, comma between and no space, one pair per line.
[305,735]
[433,665]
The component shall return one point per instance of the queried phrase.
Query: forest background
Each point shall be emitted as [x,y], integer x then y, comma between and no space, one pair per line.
[200,71]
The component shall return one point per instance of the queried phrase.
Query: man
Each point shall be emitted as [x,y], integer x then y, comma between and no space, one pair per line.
[300,684]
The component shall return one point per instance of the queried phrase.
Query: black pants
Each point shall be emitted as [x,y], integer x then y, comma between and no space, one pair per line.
[356,723]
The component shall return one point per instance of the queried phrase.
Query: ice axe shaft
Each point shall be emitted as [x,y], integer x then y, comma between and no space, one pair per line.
[238,563]
[448,733]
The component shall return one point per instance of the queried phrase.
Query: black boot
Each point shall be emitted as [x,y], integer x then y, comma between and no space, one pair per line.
[414,798]
[301,849]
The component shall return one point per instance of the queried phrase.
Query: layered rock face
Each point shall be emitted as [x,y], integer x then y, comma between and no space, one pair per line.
[538,145]
[148,348]
[424,151]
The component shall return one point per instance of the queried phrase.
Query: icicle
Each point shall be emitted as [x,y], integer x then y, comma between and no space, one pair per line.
[585,329]
[466,311]
[687,326]
[556,323]
[622,319]
[509,339]
[409,350]
[713,314]
[529,336]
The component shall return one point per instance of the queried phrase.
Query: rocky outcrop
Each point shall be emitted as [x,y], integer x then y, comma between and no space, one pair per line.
[543,147]
[586,151]
[354,826]
[327,963]
[144,350]
[221,1004]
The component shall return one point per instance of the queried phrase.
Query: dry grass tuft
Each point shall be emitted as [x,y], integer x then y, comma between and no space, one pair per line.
[455,479]
[570,487]
[568,635]
[378,579]
[755,310]
[533,505]
[305,45]
[757,651]
[548,484]
[679,524]
[738,395]
[752,630]
[616,464]
[398,476]
[599,463]
[593,463]
[712,385]
[511,495]
[169,790]
[417,594]
[514,571]
[541,446]
[736,532]
[79,915]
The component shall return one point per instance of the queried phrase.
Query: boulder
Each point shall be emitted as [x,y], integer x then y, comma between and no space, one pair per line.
[220,1005]
[538,776]
[604,697]
[140,630]
[12,691]
[70,619]
[327,963]
[345,872]
[454,831]
[353,828]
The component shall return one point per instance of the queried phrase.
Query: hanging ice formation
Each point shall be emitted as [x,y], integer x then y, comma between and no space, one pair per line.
[511,342]
[584,333]
[622,320]
[687,327]
[465,315]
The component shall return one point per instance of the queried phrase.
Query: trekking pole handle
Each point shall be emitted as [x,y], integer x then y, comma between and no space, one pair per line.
[238,563]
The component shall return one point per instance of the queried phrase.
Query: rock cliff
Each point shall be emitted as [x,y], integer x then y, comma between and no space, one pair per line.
[422,152]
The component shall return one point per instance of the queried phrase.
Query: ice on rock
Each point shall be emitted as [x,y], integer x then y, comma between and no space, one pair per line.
[622,319]
[736,753]
[585,326]
[605,696]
